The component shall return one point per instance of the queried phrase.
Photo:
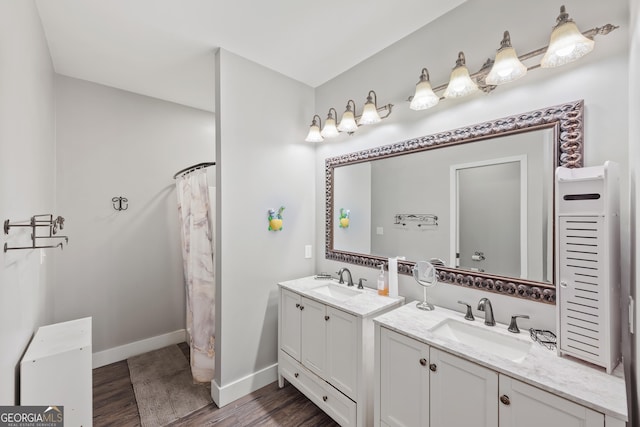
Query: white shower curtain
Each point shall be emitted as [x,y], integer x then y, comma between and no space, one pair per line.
[197,254]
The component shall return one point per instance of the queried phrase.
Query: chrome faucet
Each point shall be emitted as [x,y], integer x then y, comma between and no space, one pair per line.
[485,305]
[345,270]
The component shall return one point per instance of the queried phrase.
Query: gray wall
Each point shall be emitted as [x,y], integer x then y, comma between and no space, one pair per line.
[27,178]
[353,192]
[123,268]
[263,164]
[476,28]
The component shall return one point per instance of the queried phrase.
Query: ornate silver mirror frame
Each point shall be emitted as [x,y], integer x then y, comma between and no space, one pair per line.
[566,121]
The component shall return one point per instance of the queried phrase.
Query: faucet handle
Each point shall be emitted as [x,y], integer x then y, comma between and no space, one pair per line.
[340,279]
[469,314]
[360,283]
[513,325]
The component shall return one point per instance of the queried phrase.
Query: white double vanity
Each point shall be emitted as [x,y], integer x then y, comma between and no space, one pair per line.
[409,367]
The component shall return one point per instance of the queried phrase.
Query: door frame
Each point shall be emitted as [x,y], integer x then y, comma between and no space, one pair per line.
[454,217]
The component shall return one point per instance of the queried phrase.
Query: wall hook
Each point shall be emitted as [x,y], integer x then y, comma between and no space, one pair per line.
[118,203]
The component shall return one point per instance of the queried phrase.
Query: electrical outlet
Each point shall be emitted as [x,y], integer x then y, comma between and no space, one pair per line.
[379,231]
[307,251]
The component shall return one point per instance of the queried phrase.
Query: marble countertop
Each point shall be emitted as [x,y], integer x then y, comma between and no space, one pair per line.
[543,368]
[366,303]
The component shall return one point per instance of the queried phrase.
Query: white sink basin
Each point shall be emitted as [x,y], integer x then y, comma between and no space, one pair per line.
[336,292]
[483,339]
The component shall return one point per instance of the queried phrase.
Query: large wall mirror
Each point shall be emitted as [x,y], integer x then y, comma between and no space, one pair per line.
[479,198]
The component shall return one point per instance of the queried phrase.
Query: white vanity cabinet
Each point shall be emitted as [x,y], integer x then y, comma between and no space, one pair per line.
[402,385]
[329,344]
[525,406]
[326,348]
[462,393]
[289,323]
[422,385]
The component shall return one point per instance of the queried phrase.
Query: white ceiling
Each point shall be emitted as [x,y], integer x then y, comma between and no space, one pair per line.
[165,48]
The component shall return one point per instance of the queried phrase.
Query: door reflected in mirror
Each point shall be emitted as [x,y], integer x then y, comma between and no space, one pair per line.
[477,190]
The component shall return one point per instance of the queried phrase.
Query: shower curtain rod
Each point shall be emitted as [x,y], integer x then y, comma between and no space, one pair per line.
[194,167]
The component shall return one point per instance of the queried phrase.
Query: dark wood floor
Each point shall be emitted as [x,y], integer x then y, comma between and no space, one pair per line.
[114,404]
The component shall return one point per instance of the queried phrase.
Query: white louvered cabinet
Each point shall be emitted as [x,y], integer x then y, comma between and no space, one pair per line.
[588,265]
[584,312]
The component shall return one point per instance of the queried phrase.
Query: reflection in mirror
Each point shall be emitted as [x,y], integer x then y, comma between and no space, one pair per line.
[393,202]
[485,208]
[489,216]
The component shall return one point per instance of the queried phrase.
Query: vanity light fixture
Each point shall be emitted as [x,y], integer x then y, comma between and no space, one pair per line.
[506,67]
[566,44]
[460,83]
[314,131]
[424,97]
[330,130]
[370,111]
[348,120]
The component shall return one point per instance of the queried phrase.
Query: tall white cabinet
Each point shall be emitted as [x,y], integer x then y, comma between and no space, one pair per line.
[326,348]
[588,263]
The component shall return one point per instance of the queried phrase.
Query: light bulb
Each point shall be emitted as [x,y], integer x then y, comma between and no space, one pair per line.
[507,67]
[370,111]
[566,44]
[424,97]
[314,131]
[330,130]
[460,83]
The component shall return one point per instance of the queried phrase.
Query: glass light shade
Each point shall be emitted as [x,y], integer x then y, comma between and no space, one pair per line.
[329,130]
[314,131]
[424,97]
[348,122]
[460,83]
[566,45]
[369,114]
[314,134]
[506,68]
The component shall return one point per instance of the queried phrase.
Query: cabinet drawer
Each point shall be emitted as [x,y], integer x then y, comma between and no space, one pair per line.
[335,404]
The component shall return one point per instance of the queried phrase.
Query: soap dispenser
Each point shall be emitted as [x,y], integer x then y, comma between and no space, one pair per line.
[383,286]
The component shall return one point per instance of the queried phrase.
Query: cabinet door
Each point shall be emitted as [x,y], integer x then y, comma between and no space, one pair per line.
[525,406]
[462,393]
[404,381]
[314,336]
[342,349]
[290,323]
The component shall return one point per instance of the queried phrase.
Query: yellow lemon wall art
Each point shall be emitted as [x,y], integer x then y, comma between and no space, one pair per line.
[344,218]
[275,219]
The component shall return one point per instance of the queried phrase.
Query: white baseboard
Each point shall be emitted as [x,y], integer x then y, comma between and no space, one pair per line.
[123,352]
[224,395]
